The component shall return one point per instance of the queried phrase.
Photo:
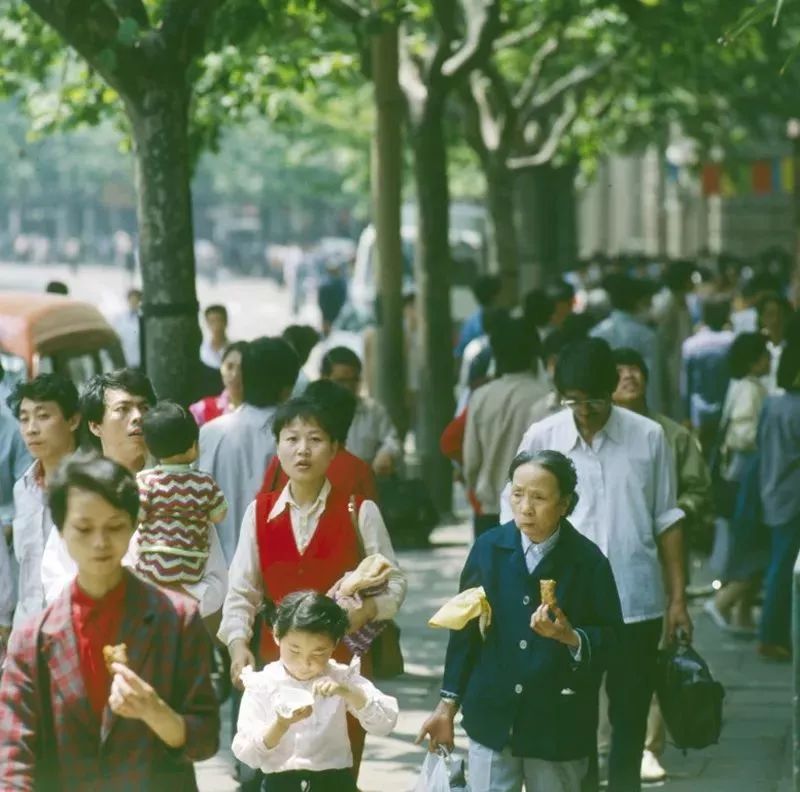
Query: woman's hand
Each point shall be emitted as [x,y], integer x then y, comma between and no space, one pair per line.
[363,615]
[559,630]
[439,727]
[241,656]
[131,696]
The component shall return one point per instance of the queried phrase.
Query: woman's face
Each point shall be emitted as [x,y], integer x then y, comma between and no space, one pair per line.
[305,450]
[536,501]
[231,370]
[96,533]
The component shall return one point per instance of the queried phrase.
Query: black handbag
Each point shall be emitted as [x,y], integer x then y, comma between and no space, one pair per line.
[690,698]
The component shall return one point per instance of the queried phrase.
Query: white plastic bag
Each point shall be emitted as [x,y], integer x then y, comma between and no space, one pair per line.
[434,776]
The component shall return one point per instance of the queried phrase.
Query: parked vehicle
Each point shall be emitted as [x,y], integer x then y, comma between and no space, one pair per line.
[41,333]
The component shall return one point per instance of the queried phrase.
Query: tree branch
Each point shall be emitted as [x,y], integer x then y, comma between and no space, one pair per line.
[483,26]
[517,37]
[486,122]
[91,28]
[558,88]
[185,27]
[550,146]
[412,84]
[529,85]
[347,10]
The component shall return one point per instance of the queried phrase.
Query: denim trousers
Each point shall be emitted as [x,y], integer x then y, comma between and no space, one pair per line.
[777,613]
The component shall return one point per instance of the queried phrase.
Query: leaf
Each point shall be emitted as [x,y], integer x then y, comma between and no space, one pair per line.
[128,32]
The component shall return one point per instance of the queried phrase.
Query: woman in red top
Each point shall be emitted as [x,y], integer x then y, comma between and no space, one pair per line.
[232,395]
[66,720]
[303,538]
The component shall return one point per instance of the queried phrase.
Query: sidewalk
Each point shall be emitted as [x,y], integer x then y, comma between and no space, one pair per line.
[753,755]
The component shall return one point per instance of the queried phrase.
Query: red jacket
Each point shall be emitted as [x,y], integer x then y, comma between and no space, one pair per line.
[346,472]
[168,647]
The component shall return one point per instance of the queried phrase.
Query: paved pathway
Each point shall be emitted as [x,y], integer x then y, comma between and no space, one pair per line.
[753,755]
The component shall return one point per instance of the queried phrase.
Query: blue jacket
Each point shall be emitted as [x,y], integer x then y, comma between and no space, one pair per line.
[518,688]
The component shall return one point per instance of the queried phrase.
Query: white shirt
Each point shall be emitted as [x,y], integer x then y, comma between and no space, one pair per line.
[627,498]
[59,570]
[7,593]
[32,527]
[372,431]
[319,742]
[127,327]
[246,589]
[236,449]
[209,356]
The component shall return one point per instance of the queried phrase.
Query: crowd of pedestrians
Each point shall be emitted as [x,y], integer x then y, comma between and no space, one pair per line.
[606,433]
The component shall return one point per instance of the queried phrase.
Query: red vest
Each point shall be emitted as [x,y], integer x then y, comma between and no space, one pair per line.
[332,551]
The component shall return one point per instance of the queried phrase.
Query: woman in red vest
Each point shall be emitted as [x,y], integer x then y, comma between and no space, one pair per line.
[303,537]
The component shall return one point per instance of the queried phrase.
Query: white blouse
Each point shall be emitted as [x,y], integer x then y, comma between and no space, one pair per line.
[319,742]
[245,581]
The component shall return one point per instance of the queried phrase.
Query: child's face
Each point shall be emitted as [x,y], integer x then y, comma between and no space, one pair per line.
[305,655]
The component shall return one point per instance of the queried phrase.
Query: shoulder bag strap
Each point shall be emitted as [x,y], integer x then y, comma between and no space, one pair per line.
[353,508]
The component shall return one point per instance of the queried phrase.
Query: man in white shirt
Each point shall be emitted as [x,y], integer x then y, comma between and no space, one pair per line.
[237,447]
[372,436]
[498,413]
[627,506]
[215,344]
[113,405]
[128,329]
[47,410]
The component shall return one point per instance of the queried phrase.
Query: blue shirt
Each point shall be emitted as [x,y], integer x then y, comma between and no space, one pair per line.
[14,461]
[472,328]
[779,447]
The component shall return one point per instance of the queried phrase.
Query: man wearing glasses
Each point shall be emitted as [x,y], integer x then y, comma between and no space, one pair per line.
[627,506]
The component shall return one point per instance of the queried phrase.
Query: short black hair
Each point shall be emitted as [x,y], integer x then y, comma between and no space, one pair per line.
[538,307]
[486,288]
[46,388]
[558,465]
[169,430]
[217,309]
[772,297]
[678,275]
[626,293]
[303,339]
[304,409]
[311,612]
[789,367]
[515,345]
[236,346]
[56,287]
[716,313]
[93,395]
[87,470]
[628,356]
[560,291]
[339,356]
[269,369]
[338,402]
[588,366]
[745,351]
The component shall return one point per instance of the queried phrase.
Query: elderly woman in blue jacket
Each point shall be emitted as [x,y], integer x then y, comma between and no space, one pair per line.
[528,686]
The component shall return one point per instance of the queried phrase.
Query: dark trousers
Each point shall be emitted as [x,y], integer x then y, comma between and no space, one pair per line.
[630,683]
[483,522]
[320,781]
[777,613]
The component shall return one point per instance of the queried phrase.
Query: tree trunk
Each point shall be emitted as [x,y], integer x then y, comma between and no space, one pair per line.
[432,270]
[159,120]
[387,174]
[500,201]
[794,283]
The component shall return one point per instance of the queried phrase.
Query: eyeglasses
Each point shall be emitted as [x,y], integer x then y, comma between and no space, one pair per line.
[588,404]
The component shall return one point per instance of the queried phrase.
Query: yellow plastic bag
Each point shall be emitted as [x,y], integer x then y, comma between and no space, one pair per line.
[456,613]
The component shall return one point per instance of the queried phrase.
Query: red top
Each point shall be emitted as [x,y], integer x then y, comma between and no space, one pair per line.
[96,624]
[451,443]
[332,551]
[346,473]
